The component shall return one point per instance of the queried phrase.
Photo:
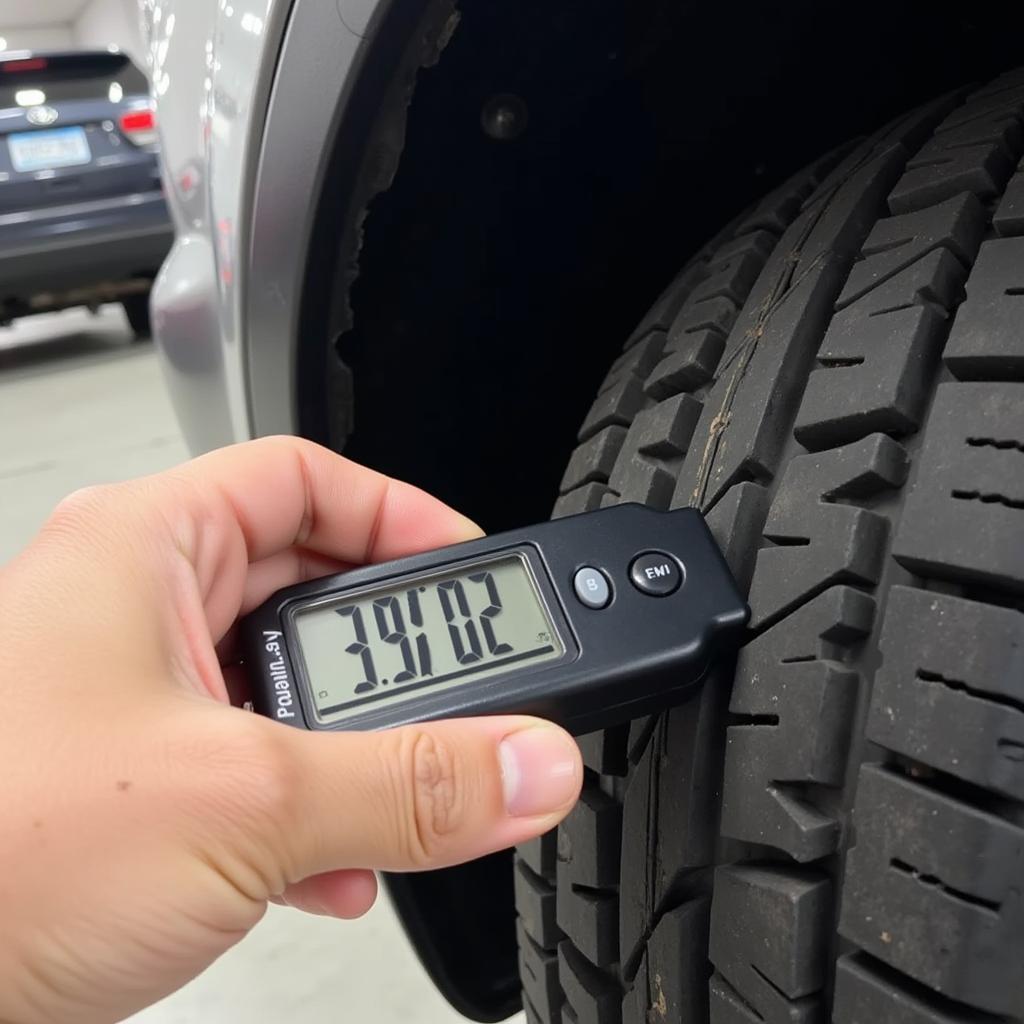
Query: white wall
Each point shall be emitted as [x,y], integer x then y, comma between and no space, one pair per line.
[49,37]
[106,22]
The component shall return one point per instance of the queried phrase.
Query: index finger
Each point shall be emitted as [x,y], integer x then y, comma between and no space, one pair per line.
[285,491]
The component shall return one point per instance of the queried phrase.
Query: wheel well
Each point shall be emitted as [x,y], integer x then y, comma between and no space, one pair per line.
[456,334]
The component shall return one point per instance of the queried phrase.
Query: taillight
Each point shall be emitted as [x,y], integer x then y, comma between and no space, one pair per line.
[139,126]
[11,67]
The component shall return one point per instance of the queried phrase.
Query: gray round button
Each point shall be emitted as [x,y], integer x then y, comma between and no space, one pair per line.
[591,587]
[656,573]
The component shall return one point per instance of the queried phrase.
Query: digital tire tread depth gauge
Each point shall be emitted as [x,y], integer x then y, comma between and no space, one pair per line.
[587,621]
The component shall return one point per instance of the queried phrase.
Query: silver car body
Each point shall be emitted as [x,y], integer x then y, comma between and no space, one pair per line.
[239,195]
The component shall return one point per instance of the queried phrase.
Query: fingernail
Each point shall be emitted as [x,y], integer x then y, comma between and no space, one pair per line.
[540,771]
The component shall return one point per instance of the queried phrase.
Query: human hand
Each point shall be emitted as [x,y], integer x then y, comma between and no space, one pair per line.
[145,821]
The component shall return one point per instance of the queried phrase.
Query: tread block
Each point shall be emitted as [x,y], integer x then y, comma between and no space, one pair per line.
[736,523]
[605,752]
[587,905]
[588,841]
[864,995]
[668,304]
[671,983]
[535,904]
[800,703]
[933,889]
[689,362]
[732,275]
[540,854]
[877,356]
[986,341]
[767,943]
[746,416]
[593,460]
[652,450]
[820,543]
[950,692]
[617,405]
[671,801]
[582,499]
[636,361]
[897,242]
[913,129]
[964,517]
[696,337]
[1007,80]
[777,210]
[974,150]
[590,919]
[592,996]
[538,971]
[1009,216]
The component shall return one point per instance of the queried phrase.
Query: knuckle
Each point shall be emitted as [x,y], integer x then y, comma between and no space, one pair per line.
[80,506]
[435,798]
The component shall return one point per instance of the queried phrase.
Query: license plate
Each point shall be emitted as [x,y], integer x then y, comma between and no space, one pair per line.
[44,151]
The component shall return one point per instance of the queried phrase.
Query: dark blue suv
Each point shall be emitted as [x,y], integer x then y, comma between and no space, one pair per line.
[82,214]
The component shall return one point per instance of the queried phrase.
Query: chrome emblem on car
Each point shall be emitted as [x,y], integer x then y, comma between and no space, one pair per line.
[42,115]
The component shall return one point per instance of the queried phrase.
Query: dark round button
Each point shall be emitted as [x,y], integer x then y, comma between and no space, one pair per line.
[656,573]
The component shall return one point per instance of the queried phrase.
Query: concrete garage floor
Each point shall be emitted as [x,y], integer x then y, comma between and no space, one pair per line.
[81,404]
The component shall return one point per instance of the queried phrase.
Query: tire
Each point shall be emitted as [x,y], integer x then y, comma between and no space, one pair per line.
[136,309]
[834,827]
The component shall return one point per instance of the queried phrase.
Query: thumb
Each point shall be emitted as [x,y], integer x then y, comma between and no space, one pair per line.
[426,796]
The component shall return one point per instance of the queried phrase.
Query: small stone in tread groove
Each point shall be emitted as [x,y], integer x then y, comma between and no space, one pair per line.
[963,518]
[950,693]
[986,341]
[933,890]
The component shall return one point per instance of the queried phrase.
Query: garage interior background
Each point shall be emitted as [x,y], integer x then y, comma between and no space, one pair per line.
[80,403]
[71,25]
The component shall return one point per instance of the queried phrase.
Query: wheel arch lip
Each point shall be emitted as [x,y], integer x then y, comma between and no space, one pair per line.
[315,68]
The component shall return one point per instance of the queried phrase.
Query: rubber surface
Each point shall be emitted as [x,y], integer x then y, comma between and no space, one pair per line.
[836,825]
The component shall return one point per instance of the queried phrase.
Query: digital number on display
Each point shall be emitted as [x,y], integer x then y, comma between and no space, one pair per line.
[433,631]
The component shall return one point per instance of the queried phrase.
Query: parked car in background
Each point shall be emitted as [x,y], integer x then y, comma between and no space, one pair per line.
[83,220]
[764,260]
